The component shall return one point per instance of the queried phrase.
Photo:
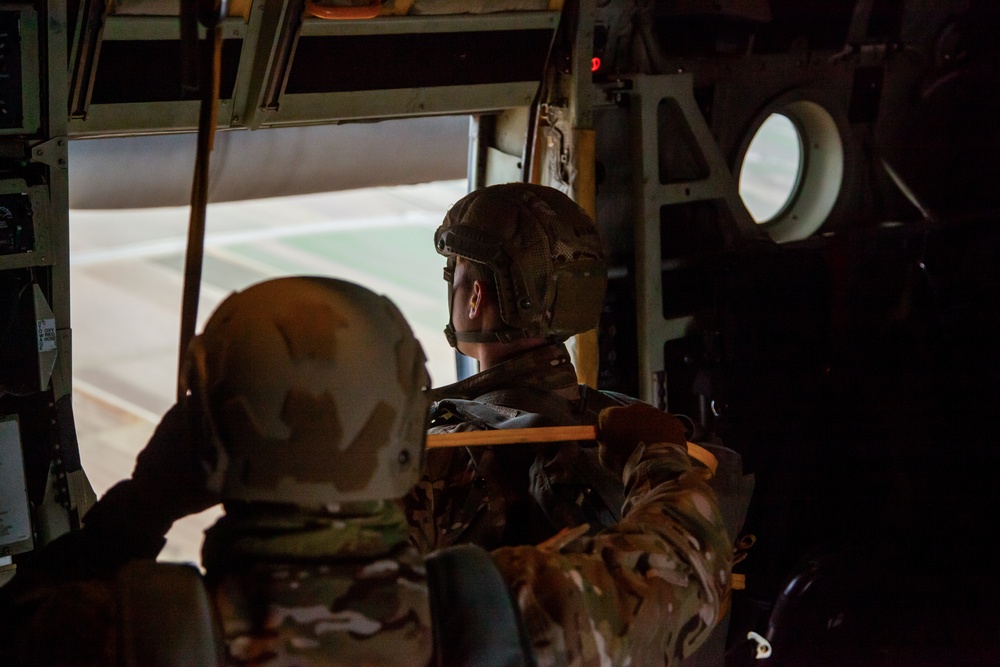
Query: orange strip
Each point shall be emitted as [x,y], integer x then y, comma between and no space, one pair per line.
[513,436]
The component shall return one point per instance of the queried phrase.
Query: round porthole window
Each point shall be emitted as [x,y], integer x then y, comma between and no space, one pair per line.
[771,168]
[791,169]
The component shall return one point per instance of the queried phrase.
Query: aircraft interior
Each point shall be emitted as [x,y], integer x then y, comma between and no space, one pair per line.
[798,200]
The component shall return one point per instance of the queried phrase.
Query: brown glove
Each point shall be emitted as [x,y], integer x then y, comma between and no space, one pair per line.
[620,430]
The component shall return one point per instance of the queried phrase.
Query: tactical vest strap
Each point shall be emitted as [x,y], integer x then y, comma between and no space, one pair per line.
[476,623]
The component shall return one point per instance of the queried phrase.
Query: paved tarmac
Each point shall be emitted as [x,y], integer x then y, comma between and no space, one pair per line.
[127,276]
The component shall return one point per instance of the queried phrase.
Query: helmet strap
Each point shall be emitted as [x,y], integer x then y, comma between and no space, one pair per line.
[449,277]
[491,336]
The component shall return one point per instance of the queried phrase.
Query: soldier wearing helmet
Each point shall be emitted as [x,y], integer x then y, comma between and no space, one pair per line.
[310,393]
[304,412]
[538,251]
[526,270]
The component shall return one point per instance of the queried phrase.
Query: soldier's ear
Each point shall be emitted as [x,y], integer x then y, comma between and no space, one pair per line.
[476,300]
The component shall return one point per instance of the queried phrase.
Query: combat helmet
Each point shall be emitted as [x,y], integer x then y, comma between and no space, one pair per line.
[544,252]
[312,391]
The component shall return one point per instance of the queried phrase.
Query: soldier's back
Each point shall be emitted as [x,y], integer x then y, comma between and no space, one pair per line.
[346,613]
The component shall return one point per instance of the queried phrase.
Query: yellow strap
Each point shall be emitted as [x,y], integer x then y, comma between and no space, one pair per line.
[543,434]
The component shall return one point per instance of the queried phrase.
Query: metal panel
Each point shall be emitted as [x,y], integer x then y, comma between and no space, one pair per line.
[151,28]
[258,61]
[330,107]
[21,82]
[433,24]
[143,118]
[648,91]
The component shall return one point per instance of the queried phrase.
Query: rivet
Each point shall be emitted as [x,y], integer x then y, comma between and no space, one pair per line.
[525,304]
[404,457]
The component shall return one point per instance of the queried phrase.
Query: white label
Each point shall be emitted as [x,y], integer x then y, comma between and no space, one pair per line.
[15,522]
[46,335]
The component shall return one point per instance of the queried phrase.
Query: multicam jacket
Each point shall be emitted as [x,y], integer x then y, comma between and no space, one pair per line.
[501,496]
[307,590]
[645,590]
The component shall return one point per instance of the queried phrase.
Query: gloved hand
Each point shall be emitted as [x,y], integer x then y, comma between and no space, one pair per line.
[169,467]
[168,483]
[620,430]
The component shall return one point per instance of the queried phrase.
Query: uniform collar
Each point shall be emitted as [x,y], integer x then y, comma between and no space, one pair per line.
[548,367]
[284,536]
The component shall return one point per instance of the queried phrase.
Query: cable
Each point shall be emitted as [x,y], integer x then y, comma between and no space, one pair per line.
[211,62]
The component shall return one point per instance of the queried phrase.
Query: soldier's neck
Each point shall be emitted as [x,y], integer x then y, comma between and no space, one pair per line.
[493,354]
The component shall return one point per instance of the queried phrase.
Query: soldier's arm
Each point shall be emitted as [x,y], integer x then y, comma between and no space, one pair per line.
[132,518]
[444,484]
[646,591]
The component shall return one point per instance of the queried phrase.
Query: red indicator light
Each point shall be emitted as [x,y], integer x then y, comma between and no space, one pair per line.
[595,64]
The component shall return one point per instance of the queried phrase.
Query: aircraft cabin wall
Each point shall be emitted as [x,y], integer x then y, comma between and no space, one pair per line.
[44,491]
[845,343]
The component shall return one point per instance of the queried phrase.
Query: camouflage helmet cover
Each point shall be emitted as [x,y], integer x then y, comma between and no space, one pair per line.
[544,251]
[313,392]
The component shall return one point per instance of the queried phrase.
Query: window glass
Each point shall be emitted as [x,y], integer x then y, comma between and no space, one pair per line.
[771,169]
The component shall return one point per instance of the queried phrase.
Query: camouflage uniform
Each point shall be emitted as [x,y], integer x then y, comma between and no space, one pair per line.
[311,565]
[600,589]
[645,590]
[304,410]
[497,496]
[300,589]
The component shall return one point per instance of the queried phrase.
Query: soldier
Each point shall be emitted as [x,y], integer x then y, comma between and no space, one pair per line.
[310,395]
[304,412]
[526,271]
[312,398]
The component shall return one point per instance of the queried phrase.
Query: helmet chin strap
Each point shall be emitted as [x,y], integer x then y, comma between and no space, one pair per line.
[491,336]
